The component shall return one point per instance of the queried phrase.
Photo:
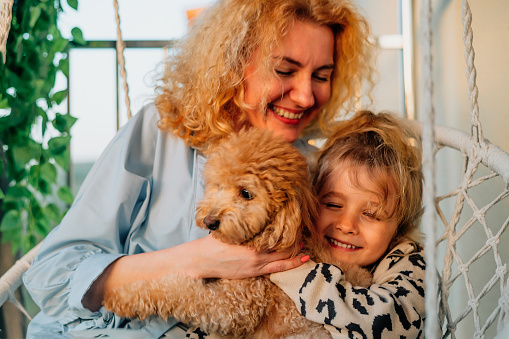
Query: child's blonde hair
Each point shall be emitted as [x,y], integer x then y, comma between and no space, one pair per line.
[392,155]
[202,96]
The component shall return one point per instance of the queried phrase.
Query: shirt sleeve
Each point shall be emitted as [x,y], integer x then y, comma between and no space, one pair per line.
[392,306]
[113,199]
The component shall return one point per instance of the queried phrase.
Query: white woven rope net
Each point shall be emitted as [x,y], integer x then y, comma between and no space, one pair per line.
[482,298]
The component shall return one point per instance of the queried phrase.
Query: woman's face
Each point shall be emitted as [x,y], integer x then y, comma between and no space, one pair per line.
[347,223]
[302,83]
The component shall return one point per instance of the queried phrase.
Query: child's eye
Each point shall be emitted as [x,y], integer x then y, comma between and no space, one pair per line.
[371,215]
[332,205]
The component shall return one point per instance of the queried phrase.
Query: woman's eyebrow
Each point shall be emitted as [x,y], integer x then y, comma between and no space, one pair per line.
[298,64]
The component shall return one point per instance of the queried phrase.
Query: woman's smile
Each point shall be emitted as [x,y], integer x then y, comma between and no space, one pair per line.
[286,115]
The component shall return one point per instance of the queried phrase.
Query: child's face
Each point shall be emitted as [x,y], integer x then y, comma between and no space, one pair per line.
[347,222]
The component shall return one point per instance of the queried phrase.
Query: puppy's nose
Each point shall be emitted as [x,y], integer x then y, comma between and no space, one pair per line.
[211,223]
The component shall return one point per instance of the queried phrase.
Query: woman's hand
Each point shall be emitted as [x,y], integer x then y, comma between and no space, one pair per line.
[202,258]
[215,259]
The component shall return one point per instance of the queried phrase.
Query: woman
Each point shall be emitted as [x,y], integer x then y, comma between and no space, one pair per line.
[288,66]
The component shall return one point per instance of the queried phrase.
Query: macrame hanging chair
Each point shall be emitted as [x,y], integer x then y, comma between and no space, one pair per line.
[445,265]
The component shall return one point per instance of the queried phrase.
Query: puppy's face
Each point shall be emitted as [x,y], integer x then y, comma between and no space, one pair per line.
[236,205]
[251,185]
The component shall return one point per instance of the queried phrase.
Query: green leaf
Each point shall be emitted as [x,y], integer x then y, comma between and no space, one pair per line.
[28,241]
[65,194]
[58,97]
[63,65]
[59,45]
[23,154]
[17,197]
[64,122]
[49,172]
[77,36]
[42,227]
[58,145]
[63,160]
[53,212]
[2,195]
[17,191]
[44,117]
[4,103]
[73,4]
[35,13]
[11,221]
[33,175]
[44,187]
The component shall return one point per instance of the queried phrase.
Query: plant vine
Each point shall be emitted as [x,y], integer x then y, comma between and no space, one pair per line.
[34,128]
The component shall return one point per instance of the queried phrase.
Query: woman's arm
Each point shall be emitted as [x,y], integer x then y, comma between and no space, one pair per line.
[113,200]
[202,258]
[394,304]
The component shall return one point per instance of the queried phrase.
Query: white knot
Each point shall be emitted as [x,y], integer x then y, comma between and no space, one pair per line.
[463,268]
[479,215]
[501,271]
[492,242]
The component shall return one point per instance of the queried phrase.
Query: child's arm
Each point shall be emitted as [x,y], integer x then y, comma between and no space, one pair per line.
[393,305]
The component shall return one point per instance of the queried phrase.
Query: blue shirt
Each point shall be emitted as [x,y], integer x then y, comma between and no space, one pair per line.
[140,196]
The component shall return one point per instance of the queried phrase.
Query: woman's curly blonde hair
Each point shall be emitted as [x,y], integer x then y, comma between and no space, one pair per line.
[201,99]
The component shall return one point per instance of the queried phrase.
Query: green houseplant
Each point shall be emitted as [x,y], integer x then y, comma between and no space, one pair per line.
[34,133]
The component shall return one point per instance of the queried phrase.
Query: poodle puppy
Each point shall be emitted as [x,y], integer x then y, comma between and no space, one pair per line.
[257,194]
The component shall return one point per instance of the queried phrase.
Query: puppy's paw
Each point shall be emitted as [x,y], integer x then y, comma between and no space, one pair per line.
[357,276]
[130,301]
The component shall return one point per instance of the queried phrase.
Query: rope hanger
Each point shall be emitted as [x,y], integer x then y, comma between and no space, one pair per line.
[5,25]
[121,61]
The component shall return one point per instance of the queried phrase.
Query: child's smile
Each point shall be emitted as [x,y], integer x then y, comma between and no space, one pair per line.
[350,222]
[340,245]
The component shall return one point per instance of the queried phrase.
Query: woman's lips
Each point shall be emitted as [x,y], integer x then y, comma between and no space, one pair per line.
[286,115]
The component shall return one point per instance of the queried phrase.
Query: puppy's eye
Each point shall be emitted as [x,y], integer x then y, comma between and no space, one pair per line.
[246,194]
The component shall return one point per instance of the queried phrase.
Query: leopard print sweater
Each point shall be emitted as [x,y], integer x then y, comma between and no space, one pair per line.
[392,307]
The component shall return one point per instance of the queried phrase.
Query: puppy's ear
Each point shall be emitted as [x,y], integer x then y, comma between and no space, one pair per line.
[293,222]
[285,229]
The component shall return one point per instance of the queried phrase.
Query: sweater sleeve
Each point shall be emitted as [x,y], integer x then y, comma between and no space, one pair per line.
[392,306]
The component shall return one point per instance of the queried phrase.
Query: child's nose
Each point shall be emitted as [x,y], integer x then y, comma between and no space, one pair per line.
[347,224]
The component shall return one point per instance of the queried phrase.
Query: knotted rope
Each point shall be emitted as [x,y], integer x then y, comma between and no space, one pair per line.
[471,72]
[5,25]
[121,60]
[428,137]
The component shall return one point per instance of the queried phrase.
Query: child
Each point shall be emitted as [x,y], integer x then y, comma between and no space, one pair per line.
[369,185]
